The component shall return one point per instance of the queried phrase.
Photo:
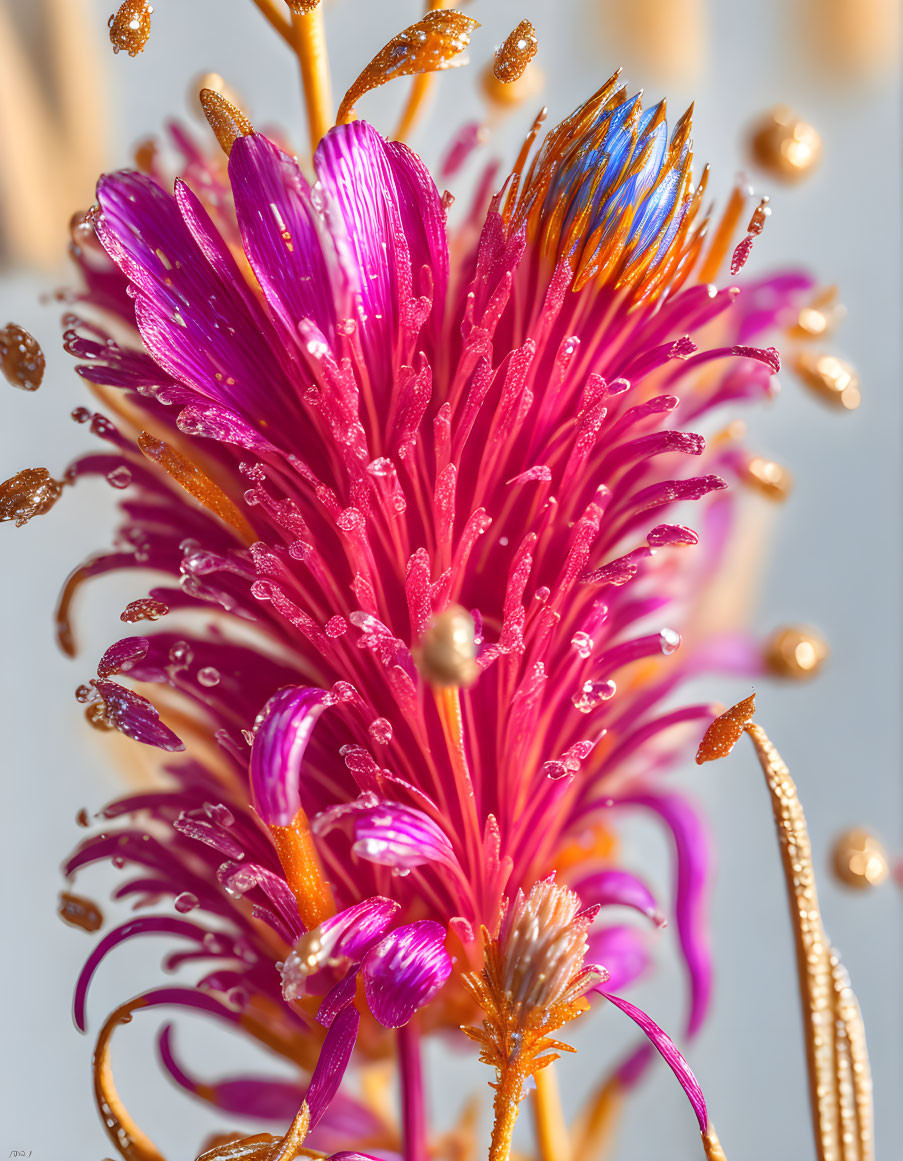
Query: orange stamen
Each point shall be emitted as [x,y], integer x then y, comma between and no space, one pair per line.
[303,872]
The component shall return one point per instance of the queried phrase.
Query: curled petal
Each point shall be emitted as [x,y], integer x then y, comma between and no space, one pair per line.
[405,970]
[390,834]
[624,952]
[284,730]
[666,1047]
[614,887]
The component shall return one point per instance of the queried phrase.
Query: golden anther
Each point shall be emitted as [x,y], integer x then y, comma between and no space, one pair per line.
[513,56]
[771,479]
[21,358]
[28,493]
[795,652]
[859,858]
[785,146]
[830,378]
[130,27]
[436,42]
[225,119]
[446,655]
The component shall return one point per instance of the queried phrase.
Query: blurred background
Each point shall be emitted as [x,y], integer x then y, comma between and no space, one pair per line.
[69,108]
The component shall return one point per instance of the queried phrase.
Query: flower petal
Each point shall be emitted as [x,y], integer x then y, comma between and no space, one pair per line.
[614,887]
[405,970]
[666,1047]
[389,833]
[136,717]
[334,1057]
[287,721]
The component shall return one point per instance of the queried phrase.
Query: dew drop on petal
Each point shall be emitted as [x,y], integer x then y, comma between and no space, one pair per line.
[593,693]
[185,902]
[670,641]
[380,731]
[181,655]
[208,676]
[119,477]
[583,643]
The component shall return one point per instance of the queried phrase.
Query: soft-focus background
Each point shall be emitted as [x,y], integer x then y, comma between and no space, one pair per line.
[835,558]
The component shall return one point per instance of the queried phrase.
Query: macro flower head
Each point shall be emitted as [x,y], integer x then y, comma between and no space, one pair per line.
[428,509]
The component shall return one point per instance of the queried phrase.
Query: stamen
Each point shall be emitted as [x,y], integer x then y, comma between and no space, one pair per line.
[551,1128]
[128,1139]
[769,478]
[27,494]
[513,56]
[820,317]
[446,655]
[225,119]
[79,912]
[859,859]
[433,43]
[824,990]
[21,358]
[830,378]
[130,27]
[795,652]
[190,477]
[785,146]
[303,872]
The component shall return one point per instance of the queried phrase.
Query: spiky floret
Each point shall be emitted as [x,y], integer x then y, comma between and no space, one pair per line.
[533,981]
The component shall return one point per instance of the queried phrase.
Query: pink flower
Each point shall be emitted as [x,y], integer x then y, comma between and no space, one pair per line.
[434,510]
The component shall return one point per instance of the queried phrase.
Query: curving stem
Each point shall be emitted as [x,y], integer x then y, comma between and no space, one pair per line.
[413,1107]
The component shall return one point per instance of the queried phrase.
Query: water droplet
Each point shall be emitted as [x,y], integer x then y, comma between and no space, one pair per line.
[181,655]
[583,643]
[119,477]
[186,902]
[380,731]
[593,693]
[208,676]
[219,813]
[554,770]
[670,641]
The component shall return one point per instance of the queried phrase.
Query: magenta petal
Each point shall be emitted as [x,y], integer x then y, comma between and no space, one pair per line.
[334,1057]
[614,887]
[405,970]
[136,717]
[287,721]
[666,1047]
[277,222]
[389,833]
[355,930]
[622,951]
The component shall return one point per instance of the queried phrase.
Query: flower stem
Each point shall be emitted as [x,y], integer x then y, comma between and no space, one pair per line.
[551,1130]
[508,1093]
[310,49]
[413,1111]
[275,18]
